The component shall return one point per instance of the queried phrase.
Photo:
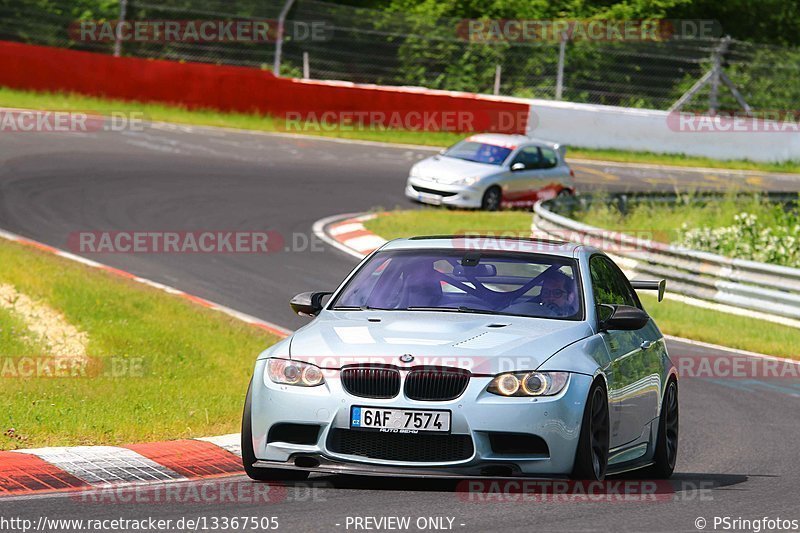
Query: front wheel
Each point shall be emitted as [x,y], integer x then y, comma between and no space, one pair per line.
[249,456]
[492,199]
[591,458]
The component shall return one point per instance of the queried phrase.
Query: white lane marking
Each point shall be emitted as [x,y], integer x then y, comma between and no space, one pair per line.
[104,464]
[365,243]
[340,229]
[319,231]
[231,442]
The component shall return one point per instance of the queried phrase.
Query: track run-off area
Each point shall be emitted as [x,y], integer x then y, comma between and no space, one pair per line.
[737,454]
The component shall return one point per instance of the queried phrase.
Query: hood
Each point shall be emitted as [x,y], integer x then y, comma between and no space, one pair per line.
[484,344]
[449,169]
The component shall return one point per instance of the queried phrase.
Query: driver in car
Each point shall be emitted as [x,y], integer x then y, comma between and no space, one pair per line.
[558,297]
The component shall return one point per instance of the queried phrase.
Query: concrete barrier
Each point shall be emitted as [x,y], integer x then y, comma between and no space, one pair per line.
[599,126]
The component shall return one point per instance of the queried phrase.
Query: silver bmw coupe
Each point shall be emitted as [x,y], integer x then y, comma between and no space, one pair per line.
[468,356]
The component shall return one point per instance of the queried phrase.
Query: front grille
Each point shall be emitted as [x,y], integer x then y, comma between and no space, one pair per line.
[420,448]
[432,384]
[371,382]
[425,190]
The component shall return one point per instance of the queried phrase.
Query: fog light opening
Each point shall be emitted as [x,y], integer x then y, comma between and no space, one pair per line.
[497,471]
[306,462]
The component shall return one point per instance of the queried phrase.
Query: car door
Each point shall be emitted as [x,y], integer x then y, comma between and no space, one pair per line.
[551,176]
[522,185]
[634,377]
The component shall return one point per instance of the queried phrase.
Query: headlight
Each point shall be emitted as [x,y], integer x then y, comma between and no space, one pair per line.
[414,173]
[528,383]
[294,373]
[467,181]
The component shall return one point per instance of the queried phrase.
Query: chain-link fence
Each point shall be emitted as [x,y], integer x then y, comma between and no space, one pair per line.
[391,48]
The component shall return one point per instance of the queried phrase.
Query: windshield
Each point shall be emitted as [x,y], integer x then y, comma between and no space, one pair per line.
[478,152]
[466,282]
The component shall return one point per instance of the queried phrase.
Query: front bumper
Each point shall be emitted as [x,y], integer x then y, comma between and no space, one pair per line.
[476,413]
[435,193]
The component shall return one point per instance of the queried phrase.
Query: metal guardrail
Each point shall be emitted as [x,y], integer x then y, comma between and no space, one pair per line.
[770,289]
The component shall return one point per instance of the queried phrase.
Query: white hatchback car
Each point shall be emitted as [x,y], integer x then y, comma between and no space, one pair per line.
[490,171]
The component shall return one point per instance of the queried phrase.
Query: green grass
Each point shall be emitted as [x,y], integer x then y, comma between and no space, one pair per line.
[674,318]
[664,221]
[15,340]
[433,221]
[195,362]
[251,121]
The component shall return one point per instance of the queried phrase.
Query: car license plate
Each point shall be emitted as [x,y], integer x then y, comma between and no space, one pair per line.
[399,420]
[430,198]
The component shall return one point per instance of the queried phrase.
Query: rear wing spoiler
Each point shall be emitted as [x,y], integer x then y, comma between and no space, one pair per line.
[651,285]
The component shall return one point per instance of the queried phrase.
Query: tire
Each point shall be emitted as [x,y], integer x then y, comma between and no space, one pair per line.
[492,199]
[591,457]
[666,452]
[249,456]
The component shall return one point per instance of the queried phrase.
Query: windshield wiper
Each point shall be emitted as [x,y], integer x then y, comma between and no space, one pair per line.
[359,308]
[460,309]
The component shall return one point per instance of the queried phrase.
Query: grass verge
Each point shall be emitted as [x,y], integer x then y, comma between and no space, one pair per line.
[664,220]
[674,318]
[159,112]
[170,369]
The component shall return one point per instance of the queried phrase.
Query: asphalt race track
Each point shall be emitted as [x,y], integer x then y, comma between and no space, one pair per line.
[737,455]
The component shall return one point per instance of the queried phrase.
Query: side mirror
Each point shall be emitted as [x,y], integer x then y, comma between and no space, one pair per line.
[308,303]
[622,317]
[516,167]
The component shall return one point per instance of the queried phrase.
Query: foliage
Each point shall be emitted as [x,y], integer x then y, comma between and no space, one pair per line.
[748,238]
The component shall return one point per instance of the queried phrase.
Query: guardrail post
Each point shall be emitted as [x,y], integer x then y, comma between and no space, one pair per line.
[306,69]
[497,72]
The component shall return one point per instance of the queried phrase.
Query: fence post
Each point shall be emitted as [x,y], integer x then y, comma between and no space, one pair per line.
[562,48]
[497,72]
[276,67]
[716,69]
[306,69]
[123,8]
